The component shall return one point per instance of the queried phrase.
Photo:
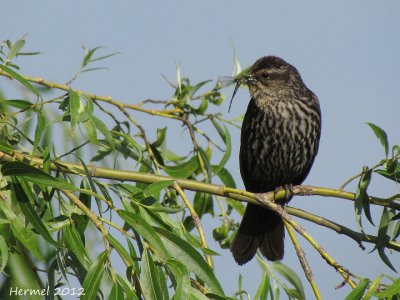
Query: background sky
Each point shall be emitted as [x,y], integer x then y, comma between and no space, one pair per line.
[348,53]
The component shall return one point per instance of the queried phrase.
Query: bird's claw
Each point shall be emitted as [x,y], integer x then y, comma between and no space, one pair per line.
[288,192]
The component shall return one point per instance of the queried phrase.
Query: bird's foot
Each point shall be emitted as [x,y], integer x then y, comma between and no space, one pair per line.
[288,193]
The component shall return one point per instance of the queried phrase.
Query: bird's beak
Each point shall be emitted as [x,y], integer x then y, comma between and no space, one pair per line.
[248,79]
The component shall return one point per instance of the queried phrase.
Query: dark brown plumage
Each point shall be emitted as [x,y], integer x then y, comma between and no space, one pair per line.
[279,141]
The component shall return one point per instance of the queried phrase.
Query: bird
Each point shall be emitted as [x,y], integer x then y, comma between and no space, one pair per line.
[279,141]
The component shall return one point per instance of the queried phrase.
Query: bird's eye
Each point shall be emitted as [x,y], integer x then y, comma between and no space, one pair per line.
[264,75]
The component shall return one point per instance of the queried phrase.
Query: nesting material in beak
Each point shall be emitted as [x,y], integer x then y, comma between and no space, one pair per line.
[246,79]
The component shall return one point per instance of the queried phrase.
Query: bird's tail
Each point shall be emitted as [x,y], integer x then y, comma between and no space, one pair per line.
[260,228]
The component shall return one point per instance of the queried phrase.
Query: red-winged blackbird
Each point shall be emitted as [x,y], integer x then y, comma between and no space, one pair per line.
[279,141]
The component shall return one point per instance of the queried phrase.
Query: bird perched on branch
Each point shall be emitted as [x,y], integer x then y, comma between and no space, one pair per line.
[279,141]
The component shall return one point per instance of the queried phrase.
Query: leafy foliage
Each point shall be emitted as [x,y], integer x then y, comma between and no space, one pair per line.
[64,217]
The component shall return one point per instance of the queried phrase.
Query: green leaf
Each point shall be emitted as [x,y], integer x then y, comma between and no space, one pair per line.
[361,201]
[226,138]
[390,291]
[132,253]
[3,253]
[159,219]
[93,278]
[19,78]
[396,229]
[169,155]
[161,134]
[34,175]
[228,150]
[383,238]
[26,236]
[41,125]
[28,53]
[89,54]
[104,56]
[5,147]
[225,176]
[15,49]
[51,279]
[290,276]
[197,295]
[146,231]
[74,106]
[221,233]
[183,170]
[150,282]
[104,130]
[181,250]
[127,288]
[117,292]
[263,288]
[22,104]
[182,279]
[94,69]
[358,292]
[121,250]
[156,207]
[202,107]
[74,242]
[391,165]
[25,196]
[194,89]
[218,297]
[203,204]
[85,111]
[371,290]
[202,156]
[381,135]
[90,127]
[133,143]
[153,189]
[390,174]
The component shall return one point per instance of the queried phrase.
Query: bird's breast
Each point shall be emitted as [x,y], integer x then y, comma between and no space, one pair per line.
[278,143]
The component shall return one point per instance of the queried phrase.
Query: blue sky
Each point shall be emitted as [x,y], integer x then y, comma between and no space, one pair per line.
[347,53]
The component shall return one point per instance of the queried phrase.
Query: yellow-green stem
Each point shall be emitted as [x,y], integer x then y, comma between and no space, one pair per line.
[303,261]
[196,221]
[263,199]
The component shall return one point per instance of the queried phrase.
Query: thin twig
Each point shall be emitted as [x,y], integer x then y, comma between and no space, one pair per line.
[196,147]
[356,236]
[165,102]
[381,163]
[94,218]
[285,216]
[196,221]
[72,150]
[303,261]
[162,113]
[33,106]
[144,138]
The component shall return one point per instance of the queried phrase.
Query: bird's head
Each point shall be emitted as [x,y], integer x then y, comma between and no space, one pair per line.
[270,75]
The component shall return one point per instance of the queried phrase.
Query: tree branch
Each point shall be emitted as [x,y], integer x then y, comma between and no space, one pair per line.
[303,261]
[162,113]
[219,190]
[196,221]
[263,199]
